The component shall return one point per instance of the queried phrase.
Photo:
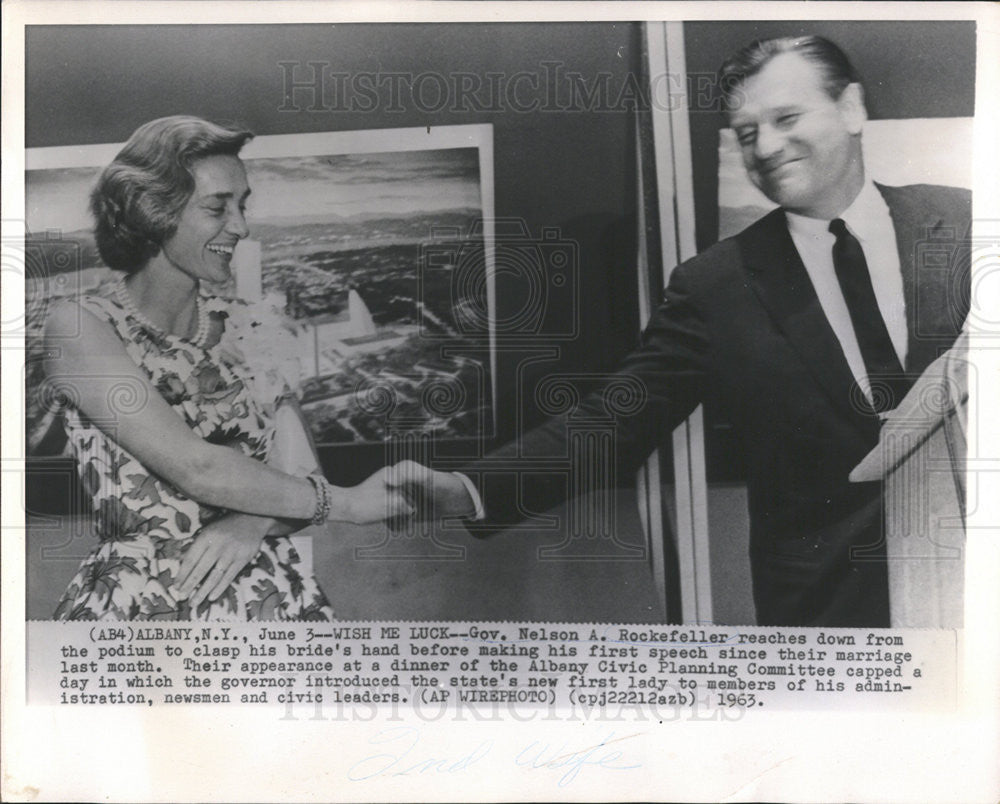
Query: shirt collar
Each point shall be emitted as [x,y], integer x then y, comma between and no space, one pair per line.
[862,217]
[868,212]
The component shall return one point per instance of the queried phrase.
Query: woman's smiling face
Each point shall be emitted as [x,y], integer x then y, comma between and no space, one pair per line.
[213,220]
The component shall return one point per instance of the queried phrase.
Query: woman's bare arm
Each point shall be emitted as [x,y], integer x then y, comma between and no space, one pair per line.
[87,361]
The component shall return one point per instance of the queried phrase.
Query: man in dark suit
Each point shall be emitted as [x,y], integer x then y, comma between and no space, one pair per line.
[806,326]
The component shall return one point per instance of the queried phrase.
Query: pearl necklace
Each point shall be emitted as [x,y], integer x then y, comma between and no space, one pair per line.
[200,334]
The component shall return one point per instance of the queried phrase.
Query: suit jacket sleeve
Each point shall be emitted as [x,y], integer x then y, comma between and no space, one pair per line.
[654,388]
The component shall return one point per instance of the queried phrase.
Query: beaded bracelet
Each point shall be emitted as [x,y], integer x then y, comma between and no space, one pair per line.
[327,498]
[323,502]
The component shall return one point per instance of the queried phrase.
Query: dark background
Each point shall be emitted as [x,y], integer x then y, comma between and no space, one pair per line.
[569,170]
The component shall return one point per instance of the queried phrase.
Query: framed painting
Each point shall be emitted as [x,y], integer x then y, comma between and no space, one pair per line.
[373,250]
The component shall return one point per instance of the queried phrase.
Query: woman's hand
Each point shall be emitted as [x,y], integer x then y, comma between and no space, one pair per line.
[376,499]
[218,553]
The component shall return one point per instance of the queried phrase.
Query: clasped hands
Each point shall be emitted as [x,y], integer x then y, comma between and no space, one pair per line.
[405,490]
[221,549]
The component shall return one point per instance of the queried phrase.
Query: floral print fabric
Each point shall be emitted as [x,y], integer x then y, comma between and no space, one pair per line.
[144,524]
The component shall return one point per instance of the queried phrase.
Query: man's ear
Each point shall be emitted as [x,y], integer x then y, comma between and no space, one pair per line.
[852,107]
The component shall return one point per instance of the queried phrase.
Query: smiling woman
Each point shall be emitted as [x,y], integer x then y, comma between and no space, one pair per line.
[175,436]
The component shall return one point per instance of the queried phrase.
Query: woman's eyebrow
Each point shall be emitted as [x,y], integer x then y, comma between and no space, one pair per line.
[223,194]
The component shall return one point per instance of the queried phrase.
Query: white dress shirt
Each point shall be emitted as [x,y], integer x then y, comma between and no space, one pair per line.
[869,221]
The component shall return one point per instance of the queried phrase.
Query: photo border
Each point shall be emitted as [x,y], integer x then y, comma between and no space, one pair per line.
[50,754]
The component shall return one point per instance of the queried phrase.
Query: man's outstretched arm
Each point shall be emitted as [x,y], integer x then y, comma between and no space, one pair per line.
[654,388]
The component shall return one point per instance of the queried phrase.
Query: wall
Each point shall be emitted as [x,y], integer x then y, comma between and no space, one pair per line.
[569,164]
[561,165]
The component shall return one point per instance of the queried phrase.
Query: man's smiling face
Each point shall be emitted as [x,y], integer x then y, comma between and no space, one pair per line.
[800,146]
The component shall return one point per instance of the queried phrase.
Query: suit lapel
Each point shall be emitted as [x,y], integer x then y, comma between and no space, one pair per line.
[778,277]
[930,311]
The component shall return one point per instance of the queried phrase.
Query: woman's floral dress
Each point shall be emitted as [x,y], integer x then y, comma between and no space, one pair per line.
[144,524]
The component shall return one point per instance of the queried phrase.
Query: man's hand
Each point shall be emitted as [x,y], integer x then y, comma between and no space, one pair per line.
[219,552]
[437,494]
[376,499]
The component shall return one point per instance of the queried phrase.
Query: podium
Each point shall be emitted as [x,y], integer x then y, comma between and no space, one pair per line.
[920,458]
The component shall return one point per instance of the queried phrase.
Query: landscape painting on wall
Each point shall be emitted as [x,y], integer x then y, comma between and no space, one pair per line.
[374,248]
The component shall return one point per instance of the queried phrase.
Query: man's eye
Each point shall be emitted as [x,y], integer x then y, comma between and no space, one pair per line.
[788,119]
[216,210]
[746,137]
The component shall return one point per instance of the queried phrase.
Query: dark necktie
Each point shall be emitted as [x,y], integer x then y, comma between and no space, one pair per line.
[885,374]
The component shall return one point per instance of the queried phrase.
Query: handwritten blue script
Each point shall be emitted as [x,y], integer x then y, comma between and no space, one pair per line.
[542,755]
[402,757]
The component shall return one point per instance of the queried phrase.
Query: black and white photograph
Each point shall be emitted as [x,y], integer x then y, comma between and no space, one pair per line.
[612,370]
[380,298]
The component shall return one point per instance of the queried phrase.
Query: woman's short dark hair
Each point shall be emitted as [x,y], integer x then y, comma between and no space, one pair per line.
[139,197]
[834,66]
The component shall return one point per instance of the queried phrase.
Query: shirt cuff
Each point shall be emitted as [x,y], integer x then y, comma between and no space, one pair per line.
[477,500]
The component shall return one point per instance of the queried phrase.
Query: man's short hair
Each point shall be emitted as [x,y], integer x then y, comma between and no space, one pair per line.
[139,197]
[835,68]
